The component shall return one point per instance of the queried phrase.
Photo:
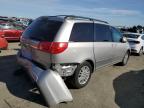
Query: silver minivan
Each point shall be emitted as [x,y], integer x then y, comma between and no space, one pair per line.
[72,46]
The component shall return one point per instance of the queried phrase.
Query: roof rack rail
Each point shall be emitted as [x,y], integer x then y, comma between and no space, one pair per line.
[79,17]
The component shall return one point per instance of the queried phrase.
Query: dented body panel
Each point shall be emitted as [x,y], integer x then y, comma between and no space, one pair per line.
[49,82]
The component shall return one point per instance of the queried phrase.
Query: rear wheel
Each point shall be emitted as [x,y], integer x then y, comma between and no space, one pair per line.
[82,75]
[140,52]
[125,59]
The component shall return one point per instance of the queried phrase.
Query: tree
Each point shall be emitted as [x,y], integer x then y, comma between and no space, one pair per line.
[139,27]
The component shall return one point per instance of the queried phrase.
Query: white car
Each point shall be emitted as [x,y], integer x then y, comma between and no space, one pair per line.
[136,42]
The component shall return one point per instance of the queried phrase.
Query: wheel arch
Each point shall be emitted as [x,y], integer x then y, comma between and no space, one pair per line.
[91,63]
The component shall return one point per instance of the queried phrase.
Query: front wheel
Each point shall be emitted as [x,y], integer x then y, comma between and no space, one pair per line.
[82,75]
[125,59]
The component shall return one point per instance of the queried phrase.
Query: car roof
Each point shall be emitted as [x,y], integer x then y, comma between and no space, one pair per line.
[76,18]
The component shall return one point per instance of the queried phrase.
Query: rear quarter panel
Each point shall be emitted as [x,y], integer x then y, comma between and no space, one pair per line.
[77,52]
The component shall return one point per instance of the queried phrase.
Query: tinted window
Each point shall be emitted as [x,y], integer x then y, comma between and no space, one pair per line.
[82,32]
[116,35]
[102,33]
[42,29]
[143,37]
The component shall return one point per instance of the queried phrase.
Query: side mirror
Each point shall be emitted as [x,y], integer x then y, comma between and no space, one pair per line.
[123,39]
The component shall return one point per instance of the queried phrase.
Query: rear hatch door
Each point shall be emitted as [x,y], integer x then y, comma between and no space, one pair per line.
[41,30]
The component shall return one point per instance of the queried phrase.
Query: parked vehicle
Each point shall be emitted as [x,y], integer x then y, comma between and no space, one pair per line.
[11,32]
[72,46]
[3,43]
[136,42]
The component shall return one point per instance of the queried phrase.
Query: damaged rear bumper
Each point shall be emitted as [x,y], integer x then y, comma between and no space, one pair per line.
[49,82]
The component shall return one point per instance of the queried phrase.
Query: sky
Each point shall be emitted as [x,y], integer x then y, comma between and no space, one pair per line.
[116,12]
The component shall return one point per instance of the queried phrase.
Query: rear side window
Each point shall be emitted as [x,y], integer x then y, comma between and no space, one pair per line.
[102,33]
[82,32]
[42,29]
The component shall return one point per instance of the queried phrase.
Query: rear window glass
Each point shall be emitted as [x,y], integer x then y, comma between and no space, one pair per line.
[131,35]
[42,29]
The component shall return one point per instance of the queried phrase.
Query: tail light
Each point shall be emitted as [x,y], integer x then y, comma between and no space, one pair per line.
[53,47]
[136,42]
[2,35]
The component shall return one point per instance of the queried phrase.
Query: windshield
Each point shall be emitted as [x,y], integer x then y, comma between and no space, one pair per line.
[131,35]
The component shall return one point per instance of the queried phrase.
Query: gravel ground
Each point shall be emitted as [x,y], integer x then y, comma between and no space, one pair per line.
[109,87]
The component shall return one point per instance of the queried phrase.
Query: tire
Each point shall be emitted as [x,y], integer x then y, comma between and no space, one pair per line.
[125,58]
[140,52]
[82,75]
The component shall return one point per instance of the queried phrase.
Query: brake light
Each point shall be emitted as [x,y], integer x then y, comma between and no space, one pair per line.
[3,36]
[136,42]
[44,46]
[53,47]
